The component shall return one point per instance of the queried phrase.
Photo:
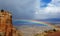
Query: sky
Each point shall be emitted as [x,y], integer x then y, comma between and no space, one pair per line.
[32,9]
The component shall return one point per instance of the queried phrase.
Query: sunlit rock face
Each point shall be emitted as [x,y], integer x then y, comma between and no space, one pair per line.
[6,26]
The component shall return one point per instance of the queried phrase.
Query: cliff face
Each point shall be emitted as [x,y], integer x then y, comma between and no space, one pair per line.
[6,26]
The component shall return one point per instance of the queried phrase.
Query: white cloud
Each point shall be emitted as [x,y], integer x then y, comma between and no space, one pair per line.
[56,2]
[51,11]
[53,7]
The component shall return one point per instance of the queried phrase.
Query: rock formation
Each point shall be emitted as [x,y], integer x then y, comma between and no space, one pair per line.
[6,26]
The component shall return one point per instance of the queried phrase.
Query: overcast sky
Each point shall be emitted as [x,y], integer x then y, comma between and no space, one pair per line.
[32,9]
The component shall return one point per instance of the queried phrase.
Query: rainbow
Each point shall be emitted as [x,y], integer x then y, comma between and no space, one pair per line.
[36,22]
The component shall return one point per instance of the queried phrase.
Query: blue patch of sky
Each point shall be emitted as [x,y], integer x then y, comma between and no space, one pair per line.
[44,3]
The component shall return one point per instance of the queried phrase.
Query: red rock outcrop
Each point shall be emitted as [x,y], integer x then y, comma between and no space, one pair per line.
[54,34]
[6,26]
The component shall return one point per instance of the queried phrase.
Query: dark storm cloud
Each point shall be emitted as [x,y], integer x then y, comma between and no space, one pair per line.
[20,8]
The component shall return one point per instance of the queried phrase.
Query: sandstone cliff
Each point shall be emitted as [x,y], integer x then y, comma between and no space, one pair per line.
[6,26]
